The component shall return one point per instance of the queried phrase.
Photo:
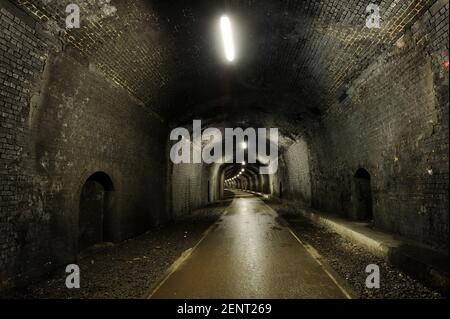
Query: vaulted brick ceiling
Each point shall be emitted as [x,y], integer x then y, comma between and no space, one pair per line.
[294,57]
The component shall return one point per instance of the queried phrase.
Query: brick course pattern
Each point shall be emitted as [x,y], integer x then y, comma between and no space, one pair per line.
[102,98]
[56,130]
[394,123]
[314,48]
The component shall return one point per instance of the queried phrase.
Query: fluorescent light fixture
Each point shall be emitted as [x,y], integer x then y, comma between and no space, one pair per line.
[227,36]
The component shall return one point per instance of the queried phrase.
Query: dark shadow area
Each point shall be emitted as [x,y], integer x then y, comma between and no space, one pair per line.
[362,196]
[95,224]
[127,269]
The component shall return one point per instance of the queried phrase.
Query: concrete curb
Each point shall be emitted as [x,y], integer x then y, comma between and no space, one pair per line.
[421,262]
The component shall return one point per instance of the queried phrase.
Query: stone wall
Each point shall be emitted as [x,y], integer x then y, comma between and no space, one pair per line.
[393,123]
[293,181]
[189,188]
[62,121]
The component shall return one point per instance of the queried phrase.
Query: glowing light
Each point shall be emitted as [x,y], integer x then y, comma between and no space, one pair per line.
[243,170]
[244,145]
[227,36]
[446,63]
[244,163]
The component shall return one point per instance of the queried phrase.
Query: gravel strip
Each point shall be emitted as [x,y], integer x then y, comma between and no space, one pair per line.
[129,269]
[350,261]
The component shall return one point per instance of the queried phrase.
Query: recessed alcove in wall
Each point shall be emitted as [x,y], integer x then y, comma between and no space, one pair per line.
[95,219]
[362,195]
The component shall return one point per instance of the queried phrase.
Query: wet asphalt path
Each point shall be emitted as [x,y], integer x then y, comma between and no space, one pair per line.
[250,254]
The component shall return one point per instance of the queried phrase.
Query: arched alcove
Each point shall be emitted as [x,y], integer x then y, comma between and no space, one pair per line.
[362,195]
[95,215]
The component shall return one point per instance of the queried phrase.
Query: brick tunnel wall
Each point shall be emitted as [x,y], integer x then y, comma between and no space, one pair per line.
[294,174]
[394,123]
[61,121]
[189,188]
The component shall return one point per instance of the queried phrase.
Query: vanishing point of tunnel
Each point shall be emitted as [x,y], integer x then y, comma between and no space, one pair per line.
[224,149]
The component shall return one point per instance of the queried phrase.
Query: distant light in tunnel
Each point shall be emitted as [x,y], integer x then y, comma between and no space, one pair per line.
[243,170]
[244,145]
[227,36]
[244,163]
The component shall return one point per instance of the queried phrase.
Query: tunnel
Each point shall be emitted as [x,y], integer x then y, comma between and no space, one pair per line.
[224,149]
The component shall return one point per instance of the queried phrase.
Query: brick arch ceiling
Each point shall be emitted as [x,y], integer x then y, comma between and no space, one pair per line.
[294,57]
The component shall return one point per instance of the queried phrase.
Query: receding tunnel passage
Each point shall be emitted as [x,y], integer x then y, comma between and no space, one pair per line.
[224,149]
[246,176]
